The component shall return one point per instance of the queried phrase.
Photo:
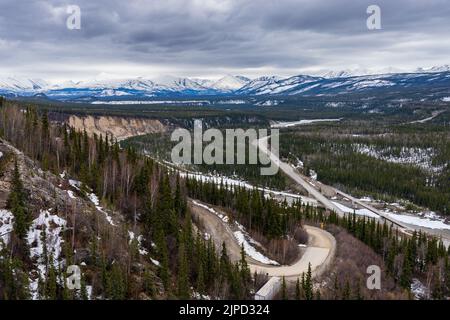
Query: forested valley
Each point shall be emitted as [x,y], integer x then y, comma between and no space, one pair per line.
[150,249]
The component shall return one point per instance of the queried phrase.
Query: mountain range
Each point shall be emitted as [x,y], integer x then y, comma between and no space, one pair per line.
[329,83]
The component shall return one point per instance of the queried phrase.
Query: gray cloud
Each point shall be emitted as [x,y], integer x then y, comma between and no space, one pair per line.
[209,37]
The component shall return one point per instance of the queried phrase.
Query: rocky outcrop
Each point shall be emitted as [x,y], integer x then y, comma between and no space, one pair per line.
[119,127]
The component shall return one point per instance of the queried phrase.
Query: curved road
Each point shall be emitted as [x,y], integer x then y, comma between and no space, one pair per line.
[319,251]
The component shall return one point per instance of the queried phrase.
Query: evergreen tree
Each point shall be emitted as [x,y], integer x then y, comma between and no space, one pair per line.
[16,203]
[83,289]
[148,284]
[183,271]
[298,293]
[51,285]
[309,293]
[283,289]
[200,280]
[346,293]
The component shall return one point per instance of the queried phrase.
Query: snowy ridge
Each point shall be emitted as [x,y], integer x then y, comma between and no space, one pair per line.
[6,226]
[141,88]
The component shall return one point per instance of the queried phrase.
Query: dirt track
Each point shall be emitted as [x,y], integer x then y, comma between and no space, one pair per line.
[319,251]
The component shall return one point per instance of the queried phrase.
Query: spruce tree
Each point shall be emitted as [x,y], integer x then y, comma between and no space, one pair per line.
[200,280]
[148,284]
[16,203]
[183,273]
[283,289]
[346,292]
[298,293]
[309,294]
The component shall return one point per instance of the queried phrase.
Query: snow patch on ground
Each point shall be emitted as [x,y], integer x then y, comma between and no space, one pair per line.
[189,102]
[359,212]
[71,194]
[155,262]
[222,217]
[199,296]
[251,251]
[288,124]
[54,226]
[241,236]
[6,226]
[139,239]
[418,289]
[75,184]
[94,199]
[230,182]
[426,219]
[416,156]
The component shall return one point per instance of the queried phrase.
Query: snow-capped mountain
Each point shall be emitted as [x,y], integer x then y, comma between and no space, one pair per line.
[230,83]
[342,84]
[444,68]
[337,74]
[436,79]
[15,85]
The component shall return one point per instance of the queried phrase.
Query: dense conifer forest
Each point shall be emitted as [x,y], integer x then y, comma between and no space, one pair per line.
[170,258]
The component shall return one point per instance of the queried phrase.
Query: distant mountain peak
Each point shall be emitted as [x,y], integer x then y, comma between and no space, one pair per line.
[443,68]
[326,83]
[230,83]
[22,84]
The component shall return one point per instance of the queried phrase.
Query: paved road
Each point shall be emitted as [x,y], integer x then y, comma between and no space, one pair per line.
[376,211]
[319,251]
[405,228]
[287,169]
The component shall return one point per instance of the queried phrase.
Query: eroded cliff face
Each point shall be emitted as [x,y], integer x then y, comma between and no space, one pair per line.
[119,127]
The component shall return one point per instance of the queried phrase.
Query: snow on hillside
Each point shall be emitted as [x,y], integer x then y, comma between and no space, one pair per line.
[94,199]
[242,237]
[443,68]
[359,212]
[250,250]
[331,82]
[372,83]
[6,226]
[139,239]
[269,103]
[178,84]
[230,182]
[222,217]
[424,219]
[230,83]
[53,226]
[416,156]
[18,84]
[183,102]
[300,122]
[421,221]
[419,290]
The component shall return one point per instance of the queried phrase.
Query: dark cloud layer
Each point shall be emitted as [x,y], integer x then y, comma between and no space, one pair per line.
[210,37]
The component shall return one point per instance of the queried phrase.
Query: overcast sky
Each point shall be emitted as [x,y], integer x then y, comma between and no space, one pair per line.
[208,38]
